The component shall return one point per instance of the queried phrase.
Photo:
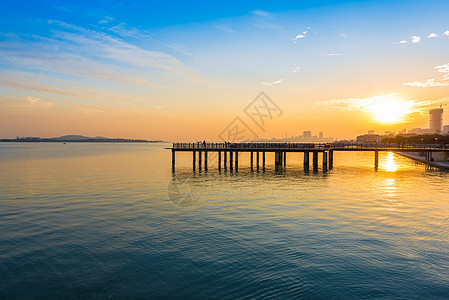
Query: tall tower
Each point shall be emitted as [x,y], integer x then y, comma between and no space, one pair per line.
[436,120]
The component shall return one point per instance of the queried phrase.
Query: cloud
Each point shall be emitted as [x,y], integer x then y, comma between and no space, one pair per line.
[296,69]
[41,54]
[105,20]
[416,39]
[301,35]
[400,42]
[273,82]
[224,28]
[446,33]
[262,13]
[263,19]
[335,54]
[434,82]
[432,35]
[38,102]
[352,104]
[44,85]
[124,31]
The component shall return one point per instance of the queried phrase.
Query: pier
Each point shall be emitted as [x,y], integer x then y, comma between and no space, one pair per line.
[228,153]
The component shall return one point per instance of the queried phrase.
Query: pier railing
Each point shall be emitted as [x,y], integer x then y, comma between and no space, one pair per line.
[311,146]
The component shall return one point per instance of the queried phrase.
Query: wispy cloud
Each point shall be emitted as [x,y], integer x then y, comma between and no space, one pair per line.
[352,104]
[262,13]
[434,82]
[105,20]
[432,35]
[44,85]
[123,30]
[264,19]
[446,33]
[335,54]
[273,82]
[296,69]
[224,28]
[400,42]
[38,102]
[416,39]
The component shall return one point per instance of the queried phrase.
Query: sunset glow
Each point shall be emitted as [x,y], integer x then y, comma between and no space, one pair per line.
[389,111]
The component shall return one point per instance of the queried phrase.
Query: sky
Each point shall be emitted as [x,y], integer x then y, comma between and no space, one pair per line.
[195,70]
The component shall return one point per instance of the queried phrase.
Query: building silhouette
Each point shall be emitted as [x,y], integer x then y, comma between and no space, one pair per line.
[436,120]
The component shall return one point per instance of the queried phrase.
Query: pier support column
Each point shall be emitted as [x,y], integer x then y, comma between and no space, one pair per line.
[257,160]
[225,158]
[252,154]
[236,161]
[231,161]
[324,160]
[376,159]
[263,161]
[285,159]
[219,160]
[277,158]
[205,161]
[331,159]
[194,160]
[199,161]
[306,160]
[315,159]
[173,159]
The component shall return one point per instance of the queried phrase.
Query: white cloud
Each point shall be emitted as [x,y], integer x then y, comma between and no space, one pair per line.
[400,42]
[273,82]
[434,82]
[416,39]
[301,35]
[432,35]
[446,33]
[296,69]
[335,54]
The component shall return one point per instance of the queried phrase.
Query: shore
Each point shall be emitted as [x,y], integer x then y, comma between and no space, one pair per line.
[415,156]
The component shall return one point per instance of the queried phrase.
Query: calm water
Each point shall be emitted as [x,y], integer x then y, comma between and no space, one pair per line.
[111,221]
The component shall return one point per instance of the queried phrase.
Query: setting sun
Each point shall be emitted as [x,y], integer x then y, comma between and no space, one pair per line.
[389,111]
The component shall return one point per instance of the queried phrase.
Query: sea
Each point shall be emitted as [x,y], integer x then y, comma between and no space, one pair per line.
[113,221]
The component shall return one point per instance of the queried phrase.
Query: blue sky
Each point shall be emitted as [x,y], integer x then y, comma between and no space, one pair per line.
[162,69]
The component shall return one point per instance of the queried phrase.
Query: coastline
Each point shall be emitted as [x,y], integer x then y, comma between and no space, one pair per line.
[414,155]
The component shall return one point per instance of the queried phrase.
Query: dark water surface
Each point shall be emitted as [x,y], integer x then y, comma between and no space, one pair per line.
[99,220]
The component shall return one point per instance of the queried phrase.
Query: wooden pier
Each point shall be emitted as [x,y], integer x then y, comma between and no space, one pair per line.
[228,153]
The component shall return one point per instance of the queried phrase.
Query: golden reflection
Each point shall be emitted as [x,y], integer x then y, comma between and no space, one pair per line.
[389,164]
[389,189]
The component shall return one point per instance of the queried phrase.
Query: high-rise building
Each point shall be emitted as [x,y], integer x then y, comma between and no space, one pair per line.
[436,120]
[321,135]
[307,134]
[446,129]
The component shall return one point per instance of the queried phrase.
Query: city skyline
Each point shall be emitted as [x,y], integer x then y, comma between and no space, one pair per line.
[152,71]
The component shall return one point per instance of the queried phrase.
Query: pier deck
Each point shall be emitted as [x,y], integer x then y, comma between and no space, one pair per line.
[232,150]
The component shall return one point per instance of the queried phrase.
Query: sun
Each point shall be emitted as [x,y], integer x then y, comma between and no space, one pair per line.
[389,111]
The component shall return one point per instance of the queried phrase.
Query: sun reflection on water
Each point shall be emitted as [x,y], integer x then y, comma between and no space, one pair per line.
[390,164]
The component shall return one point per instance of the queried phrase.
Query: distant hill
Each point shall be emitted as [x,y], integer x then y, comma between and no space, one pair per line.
[73,138]
[79,138]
